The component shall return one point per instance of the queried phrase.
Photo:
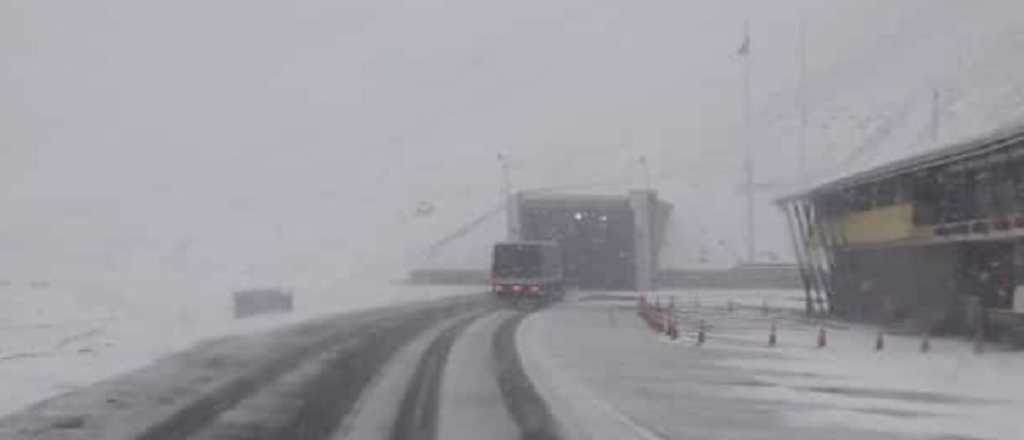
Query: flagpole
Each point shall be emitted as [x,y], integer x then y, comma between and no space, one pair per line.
[748,163]
[803,104]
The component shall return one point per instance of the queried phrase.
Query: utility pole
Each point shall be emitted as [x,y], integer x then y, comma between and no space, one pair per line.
[936,115]
[511,202]
[802,141]
[506,179]
[748,161]
[642,160]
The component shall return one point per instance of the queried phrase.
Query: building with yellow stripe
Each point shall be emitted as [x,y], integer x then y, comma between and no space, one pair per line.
[935,240]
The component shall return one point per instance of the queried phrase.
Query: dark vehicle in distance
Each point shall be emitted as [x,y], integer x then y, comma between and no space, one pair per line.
[261,301]
[528,269]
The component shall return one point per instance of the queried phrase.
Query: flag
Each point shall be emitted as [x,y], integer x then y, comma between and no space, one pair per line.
[745,47]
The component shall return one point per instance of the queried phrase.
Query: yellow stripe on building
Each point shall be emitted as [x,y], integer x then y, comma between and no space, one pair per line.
[879,225]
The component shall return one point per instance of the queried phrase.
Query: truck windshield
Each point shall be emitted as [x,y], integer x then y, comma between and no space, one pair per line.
[517,261]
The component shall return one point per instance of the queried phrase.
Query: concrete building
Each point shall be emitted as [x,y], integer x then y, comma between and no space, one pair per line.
[609,241]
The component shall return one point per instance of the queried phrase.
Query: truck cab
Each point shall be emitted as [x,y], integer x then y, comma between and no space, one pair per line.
[527,269]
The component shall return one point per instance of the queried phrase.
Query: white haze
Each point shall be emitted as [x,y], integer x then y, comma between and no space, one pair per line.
[176,146]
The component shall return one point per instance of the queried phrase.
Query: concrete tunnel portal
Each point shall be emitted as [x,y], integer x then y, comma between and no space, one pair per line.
[609,242]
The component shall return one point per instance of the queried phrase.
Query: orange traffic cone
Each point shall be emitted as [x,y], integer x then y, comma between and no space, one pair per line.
[822,338]
[772,339]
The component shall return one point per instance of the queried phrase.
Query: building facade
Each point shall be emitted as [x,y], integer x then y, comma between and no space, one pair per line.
[936,239]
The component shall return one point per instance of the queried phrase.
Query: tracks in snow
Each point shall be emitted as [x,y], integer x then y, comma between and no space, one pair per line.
[472,407]
[306,393]
[418,414]
[446,369]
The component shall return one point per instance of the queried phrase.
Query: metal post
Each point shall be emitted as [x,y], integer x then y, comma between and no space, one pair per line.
[646,172]
[511,200]
[506,178]
[802,145]
[748,162]
[812,263]
[642,204]
[801,261]
[830,246]
[815,252]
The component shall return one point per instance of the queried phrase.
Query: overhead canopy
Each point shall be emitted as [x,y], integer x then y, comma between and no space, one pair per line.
[951,153]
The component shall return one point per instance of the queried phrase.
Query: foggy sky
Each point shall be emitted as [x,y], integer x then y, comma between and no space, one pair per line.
[264,141]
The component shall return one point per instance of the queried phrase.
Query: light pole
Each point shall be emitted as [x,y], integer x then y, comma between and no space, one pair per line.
[511,202]
[803,105]
[506,179]
[642,160]
[748,161]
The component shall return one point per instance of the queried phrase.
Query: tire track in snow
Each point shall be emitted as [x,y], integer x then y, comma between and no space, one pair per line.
[526,405]
[418,414]
[471,400]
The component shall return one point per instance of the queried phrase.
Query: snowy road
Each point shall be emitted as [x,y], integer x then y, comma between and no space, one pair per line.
[470,368]
[606,375]
[442,369]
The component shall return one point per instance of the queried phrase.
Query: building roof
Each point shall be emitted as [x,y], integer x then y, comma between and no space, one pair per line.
[996,140]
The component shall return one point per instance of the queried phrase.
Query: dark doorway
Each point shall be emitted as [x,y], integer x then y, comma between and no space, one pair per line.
[596,238]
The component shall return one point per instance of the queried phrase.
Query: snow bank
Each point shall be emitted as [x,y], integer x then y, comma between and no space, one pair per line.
[51,343]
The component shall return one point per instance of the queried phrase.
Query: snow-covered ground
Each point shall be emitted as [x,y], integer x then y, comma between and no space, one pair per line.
[608,372]
[948,390]
[142,171]
[57,339]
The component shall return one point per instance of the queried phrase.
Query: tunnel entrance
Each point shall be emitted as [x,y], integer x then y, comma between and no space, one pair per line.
[608,242]
[596,239]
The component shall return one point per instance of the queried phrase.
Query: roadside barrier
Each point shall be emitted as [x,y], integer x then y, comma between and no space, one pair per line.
[658,318]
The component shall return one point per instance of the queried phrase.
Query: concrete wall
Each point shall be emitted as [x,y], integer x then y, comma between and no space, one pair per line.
[643,204]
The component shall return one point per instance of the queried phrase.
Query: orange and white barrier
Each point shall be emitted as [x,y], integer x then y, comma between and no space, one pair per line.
[660,318]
